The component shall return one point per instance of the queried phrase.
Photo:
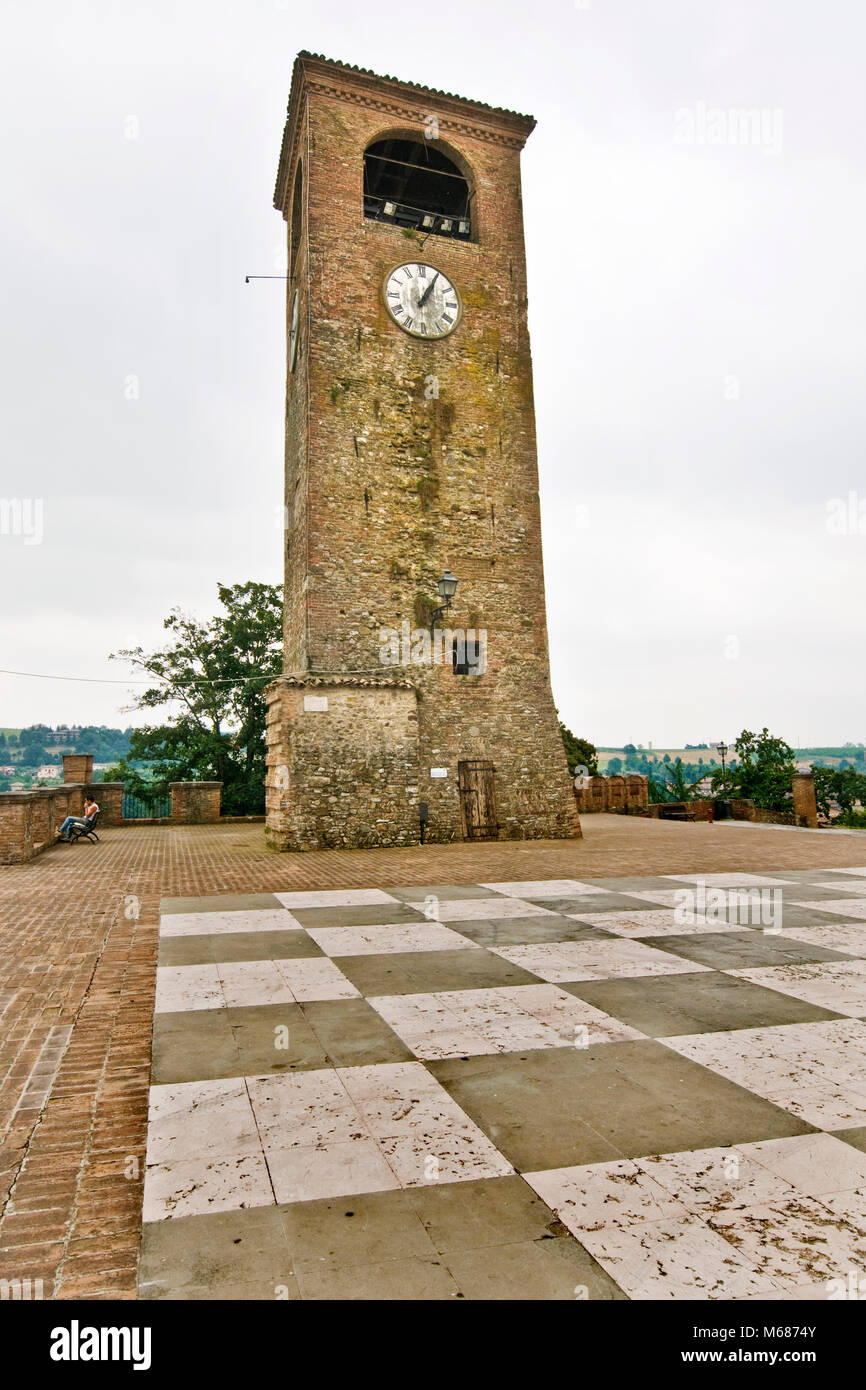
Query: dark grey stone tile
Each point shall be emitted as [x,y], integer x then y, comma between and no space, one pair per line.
[520,931]
[426,972]
[233,946]
[352,1034]
[665,1005]
[565,1106]
[221,1255]
[740,950]
[224,902]
[363,915]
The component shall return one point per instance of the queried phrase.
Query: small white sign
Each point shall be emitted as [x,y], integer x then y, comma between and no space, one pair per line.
[315,703]
[438,772]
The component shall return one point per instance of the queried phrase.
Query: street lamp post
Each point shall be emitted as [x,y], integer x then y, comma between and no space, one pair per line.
[723,748]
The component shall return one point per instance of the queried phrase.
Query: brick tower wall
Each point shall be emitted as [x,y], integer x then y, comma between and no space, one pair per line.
[406,457]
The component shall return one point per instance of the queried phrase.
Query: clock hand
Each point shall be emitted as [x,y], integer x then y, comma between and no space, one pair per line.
[425,296]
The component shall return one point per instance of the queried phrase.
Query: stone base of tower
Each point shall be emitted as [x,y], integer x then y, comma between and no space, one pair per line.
[342,763]
[349,768]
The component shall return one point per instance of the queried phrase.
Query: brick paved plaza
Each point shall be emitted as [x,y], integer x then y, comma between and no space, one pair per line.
[489,1071]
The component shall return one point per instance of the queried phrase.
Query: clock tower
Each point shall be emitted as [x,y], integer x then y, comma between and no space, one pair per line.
[415,701]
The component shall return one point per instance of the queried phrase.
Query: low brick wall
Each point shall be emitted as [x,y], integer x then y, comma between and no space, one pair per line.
[673,810]
[743,809]
[195,803]
[77,767]
[109,798]
[29,820]
[622,795]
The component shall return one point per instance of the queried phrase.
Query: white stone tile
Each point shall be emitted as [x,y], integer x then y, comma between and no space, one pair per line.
[732,880]
[842,907]
[795,1241]
[191,1187]
[811,1069]
[681,1258]
[790,1293]
[334,1170]
[211,923]
[545,888]
[590,1196]
[390,1083]
[706,1180]
[850,1206]
[855,886]
[201,1119]
[425,1158]
[306,1109]
[652,922]
[473,1022]
[425,1136]
[662,897]
[837,985]
[595,960]
[180,987]
[387,940]
[429,1028]
[336,897]
[849,938]
[500,1020]
[479,909]
[249,982]
[816,1165]
[315,978]
[574,1022]
[826,1106]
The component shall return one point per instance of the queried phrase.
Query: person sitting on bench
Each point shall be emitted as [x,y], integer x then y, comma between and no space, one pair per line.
[90,809]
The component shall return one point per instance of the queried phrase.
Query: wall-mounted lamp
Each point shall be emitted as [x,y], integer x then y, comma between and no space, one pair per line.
[447,587]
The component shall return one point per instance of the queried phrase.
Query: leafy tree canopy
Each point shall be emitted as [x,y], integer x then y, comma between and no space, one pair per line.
[762,770]
[216,672]
[579,751]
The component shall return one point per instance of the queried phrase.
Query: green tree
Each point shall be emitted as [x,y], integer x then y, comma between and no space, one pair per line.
[762,770]
[579,751]
[614,766]
[674,784]
[216,672]
[842,786]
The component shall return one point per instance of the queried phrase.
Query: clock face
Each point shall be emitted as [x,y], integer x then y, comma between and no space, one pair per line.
[293,333]
[422,300]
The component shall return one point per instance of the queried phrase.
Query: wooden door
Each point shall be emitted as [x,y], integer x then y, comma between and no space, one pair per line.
[477,799]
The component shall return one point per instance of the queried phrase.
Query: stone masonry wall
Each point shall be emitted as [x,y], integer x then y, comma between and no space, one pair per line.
[342,764]
[405,457]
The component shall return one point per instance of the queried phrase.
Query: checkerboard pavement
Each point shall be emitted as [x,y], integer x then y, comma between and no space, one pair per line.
[641,1088]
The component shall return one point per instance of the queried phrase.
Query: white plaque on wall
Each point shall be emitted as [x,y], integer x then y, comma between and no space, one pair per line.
[315,703]
[438,772]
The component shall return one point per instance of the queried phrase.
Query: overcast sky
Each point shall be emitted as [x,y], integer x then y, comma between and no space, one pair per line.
[697,309]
